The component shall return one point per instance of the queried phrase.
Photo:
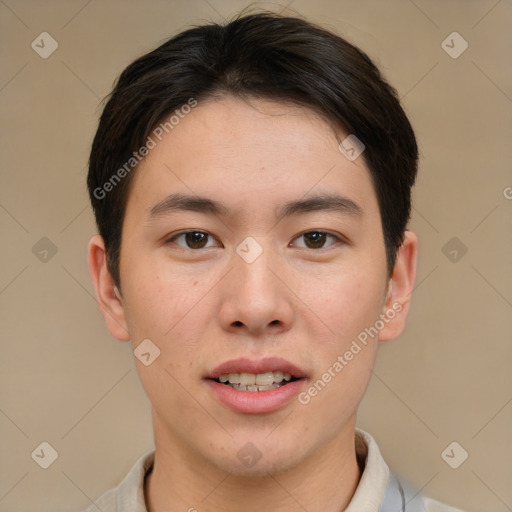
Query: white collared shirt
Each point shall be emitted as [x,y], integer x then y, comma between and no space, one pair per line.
[379,490]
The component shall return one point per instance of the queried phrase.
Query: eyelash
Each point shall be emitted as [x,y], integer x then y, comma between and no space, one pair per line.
[182,233]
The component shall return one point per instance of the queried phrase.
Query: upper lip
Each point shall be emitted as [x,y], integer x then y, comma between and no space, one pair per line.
[267,364]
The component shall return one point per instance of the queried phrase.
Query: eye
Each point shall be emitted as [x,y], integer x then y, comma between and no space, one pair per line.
[316,239]
[193,239]
[199,239]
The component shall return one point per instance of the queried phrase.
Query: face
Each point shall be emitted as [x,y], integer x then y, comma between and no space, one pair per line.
[240,284]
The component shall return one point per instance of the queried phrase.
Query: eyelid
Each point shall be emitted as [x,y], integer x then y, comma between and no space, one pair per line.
[336,236]
[171,237]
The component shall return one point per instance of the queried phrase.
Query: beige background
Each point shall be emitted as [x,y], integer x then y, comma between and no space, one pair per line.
[447,378]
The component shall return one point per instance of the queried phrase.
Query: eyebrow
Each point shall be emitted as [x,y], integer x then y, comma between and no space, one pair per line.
[319,202]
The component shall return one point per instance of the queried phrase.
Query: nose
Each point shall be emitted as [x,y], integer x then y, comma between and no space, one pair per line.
[255,298]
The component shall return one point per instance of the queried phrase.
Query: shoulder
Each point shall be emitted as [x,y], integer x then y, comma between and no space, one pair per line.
[379,484]
[128,496]
[413,501]
[400,496]
[431,505]
[107,502]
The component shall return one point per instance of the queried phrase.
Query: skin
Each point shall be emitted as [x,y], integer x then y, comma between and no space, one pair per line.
[204,306]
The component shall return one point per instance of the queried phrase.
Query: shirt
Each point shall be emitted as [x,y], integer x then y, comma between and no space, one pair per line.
[379,489]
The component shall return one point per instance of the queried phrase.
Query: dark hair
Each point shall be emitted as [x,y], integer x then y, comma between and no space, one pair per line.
[261,55]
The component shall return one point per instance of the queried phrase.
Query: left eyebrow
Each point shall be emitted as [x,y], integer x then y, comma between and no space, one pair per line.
[320,202]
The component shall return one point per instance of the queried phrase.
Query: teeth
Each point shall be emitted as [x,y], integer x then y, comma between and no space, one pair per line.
[278,376]
[234,378]
[239,387]
[254,381]
[247,379]
[265,379]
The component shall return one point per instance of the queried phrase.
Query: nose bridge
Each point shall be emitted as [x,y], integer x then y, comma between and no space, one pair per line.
[255,298]
[257,282]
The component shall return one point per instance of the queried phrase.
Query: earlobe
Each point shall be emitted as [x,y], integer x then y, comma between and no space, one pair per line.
[400,288]
[107,294]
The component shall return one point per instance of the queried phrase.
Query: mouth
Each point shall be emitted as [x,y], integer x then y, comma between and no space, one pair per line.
[256,382]
[255,387]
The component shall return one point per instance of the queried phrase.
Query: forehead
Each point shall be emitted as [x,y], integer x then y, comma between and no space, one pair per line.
[250,151]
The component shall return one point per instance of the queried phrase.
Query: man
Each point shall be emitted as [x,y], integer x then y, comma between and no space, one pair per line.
[251,185]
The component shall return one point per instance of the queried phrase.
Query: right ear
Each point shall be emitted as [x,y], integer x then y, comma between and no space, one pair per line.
[108,296]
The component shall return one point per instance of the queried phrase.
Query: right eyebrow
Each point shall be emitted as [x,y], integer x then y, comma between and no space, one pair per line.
[187,202]
[319,202]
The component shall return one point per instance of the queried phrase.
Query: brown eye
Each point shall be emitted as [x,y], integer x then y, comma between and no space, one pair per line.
[193,239]
[316,239]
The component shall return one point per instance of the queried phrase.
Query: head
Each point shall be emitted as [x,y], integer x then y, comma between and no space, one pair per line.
[295,247]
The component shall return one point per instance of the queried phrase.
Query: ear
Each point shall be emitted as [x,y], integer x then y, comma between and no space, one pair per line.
[108,296]
[400,286]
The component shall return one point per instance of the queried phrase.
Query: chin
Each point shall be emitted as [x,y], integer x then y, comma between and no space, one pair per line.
[264,467]
[258,458]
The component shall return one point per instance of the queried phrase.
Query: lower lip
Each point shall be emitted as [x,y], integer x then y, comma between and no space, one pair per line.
[256,402]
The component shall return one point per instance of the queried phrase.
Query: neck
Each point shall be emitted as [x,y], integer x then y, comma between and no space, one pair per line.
[182,480]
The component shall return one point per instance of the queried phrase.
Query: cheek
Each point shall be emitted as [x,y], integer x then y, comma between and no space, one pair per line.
[170,308]
[345,360]
[158,297]
[164,309]
[349,305]
[346,301]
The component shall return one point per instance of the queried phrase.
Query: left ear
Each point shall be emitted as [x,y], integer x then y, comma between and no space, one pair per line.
[400,286]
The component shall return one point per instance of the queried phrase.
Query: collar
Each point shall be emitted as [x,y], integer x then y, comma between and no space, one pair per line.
[379,490]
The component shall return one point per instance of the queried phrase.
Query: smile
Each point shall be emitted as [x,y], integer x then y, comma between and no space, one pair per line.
[255,382]
[256,387]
